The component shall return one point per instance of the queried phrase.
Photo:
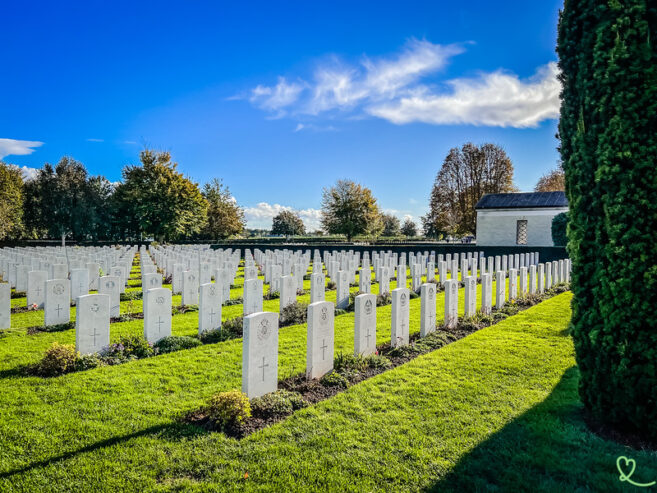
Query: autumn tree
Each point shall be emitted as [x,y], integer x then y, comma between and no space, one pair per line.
[224,217]
[287,223]
[155,199]
[350,209]
[553,181]
[390,225]
[465,176]
[11,201]
[409,228]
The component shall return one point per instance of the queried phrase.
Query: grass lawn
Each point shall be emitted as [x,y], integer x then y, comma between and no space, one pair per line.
[496,410]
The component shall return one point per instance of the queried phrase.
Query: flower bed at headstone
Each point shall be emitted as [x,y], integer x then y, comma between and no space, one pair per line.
[349,370]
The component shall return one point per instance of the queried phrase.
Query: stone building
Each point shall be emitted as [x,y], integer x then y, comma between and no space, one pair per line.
[508,219]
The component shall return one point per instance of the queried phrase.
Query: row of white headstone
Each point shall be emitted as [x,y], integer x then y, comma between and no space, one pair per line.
[260,339]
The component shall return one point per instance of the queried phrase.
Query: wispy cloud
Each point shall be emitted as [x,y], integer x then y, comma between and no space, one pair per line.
[394,88]
[13,147]
[95,140]
[261,215]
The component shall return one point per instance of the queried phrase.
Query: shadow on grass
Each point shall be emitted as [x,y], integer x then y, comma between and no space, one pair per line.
[548,448]
[171,432]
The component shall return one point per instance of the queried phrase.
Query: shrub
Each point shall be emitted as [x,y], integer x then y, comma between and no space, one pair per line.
[228,409]
[272,295]
[59,327]
[339,311]
[277,404]
[412,294]
[383,299]
[378,362]
[131,295]
[233,301]
[177,310]
[233,326]
[59,359]
[331,285]
[349,362]
[559,226]
[214,336]
[136,346]
[88,362]
[334,379]
[296,313]
[176,343]
[405,351]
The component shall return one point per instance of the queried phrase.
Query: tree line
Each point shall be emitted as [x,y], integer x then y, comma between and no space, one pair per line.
[155,200]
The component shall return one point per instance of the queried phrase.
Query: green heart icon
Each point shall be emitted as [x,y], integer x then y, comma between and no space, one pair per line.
[623,464]
[627,462]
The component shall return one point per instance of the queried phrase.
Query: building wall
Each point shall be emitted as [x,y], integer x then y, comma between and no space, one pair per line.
[497,227]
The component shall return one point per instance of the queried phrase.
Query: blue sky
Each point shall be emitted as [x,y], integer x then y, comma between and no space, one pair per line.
[282,99]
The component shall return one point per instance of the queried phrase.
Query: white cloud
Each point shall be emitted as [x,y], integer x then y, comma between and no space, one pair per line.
[12,147]
[95,140]
[276,98]
[391,88]
[28,173]
[495,99]
[260,216]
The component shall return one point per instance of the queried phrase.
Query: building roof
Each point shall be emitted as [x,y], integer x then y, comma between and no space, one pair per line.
[532,200]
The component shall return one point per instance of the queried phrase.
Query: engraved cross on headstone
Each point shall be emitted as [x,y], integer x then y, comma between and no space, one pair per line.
[323,348]
[59,309]
[212,314]
[263,366]
[159,324]
[95,334]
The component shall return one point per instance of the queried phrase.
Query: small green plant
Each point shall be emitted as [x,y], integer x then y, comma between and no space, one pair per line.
[214,336]
[277,404]
[377,362]
[131,295]
[334,379]
[296,313]
[383,299]
[331,285]
[134,345]
[228,409]
[233,327]
[176,343]
[59,359]
[272,295]
[58,327]
[88,362]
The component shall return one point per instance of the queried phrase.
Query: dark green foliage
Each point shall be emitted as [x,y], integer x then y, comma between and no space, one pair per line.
[277,404]
[58,327]
[334,379]
[559,225]
[296,313]
[88,362]
[288,223]
[11,201]
[608,61]
[135,346]
[176,343]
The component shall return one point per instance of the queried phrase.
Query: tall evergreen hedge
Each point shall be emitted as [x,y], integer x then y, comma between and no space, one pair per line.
[608,131]
[559,229]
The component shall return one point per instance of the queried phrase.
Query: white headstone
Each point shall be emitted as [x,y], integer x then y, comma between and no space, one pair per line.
[57,302]
[151,281]
[79,283]
[92,323]
[288,292]
[500,289]
[260,354]
[157,314]
[36,287]
[364,280]
[252,296]
[209,308]
[5,305]
[427,309]
[451,303]
[190,288]
[317,287]
[319,353]
[513,284]
[399,335]
[110,285]
[486,293]
[342,291]
[470,296]
[365,328]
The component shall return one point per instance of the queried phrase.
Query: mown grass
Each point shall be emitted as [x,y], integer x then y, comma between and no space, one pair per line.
[496,410]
